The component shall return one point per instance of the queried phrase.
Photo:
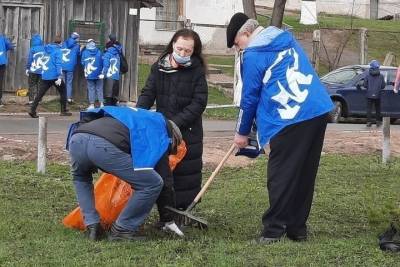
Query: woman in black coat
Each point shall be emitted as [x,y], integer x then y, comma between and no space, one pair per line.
[177,83]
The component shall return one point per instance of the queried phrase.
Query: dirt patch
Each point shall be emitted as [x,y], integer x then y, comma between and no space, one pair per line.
[24,147]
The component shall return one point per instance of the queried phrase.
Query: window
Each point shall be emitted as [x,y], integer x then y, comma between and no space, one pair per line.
[341,76]
[169,11]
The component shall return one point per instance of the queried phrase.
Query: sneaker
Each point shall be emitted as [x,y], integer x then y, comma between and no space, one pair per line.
[91,106]
[94,232]
[70,101]
[118,233]
[268,240]
[172,227]
[65,113]
[33,114]
[101,104]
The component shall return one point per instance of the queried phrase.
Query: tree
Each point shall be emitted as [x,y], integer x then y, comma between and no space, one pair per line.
[249,8]
[277,13]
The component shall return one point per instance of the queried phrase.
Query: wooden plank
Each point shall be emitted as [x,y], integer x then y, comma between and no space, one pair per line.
[12,19]
[89,10]
[79,9]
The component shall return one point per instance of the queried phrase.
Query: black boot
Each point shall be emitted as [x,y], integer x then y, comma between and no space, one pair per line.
[118,233]
[94,232]
[64,111]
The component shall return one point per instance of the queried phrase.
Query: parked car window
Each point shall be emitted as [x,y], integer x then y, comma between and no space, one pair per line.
[391,77]
[343,76]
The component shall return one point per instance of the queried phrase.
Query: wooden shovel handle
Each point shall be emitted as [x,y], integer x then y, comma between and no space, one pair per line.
[215,172]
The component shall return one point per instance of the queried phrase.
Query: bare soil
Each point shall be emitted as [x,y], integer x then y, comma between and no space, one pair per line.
[24,147]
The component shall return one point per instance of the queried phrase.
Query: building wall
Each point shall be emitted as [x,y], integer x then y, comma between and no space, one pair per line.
[56,15]
[217,12]
[343,7]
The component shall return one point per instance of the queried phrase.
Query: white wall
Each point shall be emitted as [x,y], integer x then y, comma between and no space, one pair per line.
[216,12]
[343,7]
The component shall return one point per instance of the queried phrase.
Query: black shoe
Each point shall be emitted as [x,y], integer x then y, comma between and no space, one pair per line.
[65,113]
[94,232]
[118,233]
[369,124]
[298,235]
[378,123]
[268,240]
[33,114]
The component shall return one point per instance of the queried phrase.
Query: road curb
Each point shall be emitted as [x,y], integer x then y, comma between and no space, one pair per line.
[9,114]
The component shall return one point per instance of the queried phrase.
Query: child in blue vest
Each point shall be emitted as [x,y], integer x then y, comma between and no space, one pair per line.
[34,66]
[92,63]
[5,46]
[70,53]
[51,76]
[111,74]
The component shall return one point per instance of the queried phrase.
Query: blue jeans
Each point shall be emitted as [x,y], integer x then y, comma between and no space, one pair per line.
[89,152]
[68,79]
[95,88]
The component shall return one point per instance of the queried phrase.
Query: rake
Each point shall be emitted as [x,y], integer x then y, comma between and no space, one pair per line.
[184,217]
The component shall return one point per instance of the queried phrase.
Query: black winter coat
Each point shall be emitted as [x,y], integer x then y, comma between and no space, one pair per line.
[181,96]
[374,82]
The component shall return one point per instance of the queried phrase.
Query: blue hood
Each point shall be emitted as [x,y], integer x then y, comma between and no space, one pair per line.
[92,52]
[70,43]
[36,40]
[271,39]
[115,49]
[50,48]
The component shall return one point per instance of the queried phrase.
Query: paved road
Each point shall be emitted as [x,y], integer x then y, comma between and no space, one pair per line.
[11,125]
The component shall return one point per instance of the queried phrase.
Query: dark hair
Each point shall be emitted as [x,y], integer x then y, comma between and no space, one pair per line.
[197,49]
[57,39]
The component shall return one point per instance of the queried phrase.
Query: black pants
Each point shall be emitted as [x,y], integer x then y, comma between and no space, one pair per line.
[292,168]
[2,74]
[377,104]
[34,85]
[167,195]
[111,92]
[45,85]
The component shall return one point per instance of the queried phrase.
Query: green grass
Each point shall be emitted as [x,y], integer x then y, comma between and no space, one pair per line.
[353,197]
[216,97]
[222,60]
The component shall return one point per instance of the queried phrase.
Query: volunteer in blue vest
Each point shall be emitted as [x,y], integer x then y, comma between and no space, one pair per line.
[70,53]
[34,66]
[51,76]
[92,63]
[111,74]
[128,143]
[284,96]
[5,46]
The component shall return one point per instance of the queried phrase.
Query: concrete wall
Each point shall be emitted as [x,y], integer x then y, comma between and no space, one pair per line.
[217,12]
[343,7]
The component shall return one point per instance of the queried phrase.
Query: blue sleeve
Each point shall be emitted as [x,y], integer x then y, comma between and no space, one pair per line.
[58,63]
[252,75]
[30,59]
[9,45]
[106,63]
[83,59]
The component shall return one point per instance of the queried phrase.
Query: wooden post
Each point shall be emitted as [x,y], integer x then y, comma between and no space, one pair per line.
[389,59]
[316,49]
[386,140]
[363,46]
[277,13]
[42,145]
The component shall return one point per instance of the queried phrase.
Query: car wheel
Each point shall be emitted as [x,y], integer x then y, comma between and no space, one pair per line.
[336,113]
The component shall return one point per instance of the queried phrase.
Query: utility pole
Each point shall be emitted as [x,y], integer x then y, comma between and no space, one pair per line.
[277,13]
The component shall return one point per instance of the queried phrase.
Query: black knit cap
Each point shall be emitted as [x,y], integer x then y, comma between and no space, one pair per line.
[237,21]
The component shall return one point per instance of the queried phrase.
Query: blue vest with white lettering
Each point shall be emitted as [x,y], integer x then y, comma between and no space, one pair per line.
[280,86]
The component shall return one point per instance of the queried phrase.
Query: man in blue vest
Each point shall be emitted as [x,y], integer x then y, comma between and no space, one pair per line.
[128,143]
[5,46]
[282,93]
[70,52]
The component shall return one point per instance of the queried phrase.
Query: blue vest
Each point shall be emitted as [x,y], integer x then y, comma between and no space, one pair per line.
[148,133]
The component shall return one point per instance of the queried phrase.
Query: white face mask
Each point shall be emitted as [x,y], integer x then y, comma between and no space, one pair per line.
[179,59]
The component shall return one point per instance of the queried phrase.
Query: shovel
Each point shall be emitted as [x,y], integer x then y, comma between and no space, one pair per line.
[184,217]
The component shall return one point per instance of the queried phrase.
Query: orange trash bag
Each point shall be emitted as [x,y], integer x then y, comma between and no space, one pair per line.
[111,195]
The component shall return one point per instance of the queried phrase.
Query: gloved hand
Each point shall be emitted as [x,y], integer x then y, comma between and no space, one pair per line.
[101,76]
[252,150]
[27,73]
[58,82]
